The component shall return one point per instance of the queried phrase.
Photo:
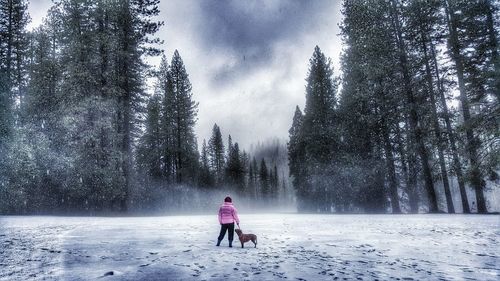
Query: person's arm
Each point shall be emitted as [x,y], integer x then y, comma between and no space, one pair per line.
[220,216]
[235,216]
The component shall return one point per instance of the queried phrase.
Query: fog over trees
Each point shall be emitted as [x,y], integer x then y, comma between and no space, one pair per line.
[410,123]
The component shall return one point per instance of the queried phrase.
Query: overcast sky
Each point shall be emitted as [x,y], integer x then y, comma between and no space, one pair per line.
[247,60]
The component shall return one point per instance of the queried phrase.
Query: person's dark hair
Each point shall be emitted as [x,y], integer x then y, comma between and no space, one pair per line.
[228,199]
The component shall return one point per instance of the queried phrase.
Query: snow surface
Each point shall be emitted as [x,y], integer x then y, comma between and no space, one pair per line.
[290,247]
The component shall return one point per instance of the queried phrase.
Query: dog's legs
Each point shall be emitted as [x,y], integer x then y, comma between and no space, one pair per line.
[255,242]
[242,244]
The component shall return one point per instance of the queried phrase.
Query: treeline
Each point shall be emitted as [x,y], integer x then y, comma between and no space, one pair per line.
[79,131]
[215,169]
[392,137]
[71,97]
[171,169]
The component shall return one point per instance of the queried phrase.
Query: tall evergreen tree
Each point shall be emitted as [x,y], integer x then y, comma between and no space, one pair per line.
[13,50]
[472,72]
[424,21]
[185,112]
[412,105]
[134,29]
[234,168]
[216,152]
[164,87]
[84,96]
[317,132]
[13,20]
[296,157]
[229,147]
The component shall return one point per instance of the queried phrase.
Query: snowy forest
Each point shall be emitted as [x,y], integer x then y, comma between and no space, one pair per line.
[392,134]
[82,130]
[88,126]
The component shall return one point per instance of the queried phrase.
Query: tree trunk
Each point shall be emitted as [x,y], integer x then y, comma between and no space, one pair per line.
[408,168]
[402,153]
[412,188]
[126,150]
[413,115]
[494,49]
[435,123]
[476,178]
[389,160]
[457,166]
[126,108]
[167,141]
[179,152]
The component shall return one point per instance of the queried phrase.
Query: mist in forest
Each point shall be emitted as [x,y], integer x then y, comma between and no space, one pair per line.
[149,107]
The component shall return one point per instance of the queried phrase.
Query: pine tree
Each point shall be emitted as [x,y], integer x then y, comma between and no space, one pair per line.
[164,87]
[13,20]
[206,178]
[296,157]
[451,134]
[42,100]
[492,8]
[216,153]
[465,83]
[264,180]
[254,178]
[42,129]
[13,50]
[424,20]
[411,102]
[379,98]
[229,147]
[185,111]
[234,168]
[318,128]
[275,183]
[245,164]
[317,132]
[85,139]
[88,115]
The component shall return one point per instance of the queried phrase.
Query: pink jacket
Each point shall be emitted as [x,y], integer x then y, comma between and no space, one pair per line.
[228,213]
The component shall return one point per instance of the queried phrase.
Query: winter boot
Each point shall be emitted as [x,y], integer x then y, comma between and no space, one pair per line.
[218,243]
[230,244]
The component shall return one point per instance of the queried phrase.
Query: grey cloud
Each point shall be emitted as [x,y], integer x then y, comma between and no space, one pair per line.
[248,30]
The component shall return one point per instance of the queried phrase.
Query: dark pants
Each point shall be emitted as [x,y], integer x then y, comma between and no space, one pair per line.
[223,228]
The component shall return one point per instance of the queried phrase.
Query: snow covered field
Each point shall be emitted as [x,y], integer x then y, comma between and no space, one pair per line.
[291,247]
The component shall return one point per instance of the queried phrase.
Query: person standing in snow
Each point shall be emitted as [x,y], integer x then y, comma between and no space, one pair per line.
[228,215]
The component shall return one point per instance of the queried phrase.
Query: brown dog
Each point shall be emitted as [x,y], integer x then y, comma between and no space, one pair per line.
[246,237]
